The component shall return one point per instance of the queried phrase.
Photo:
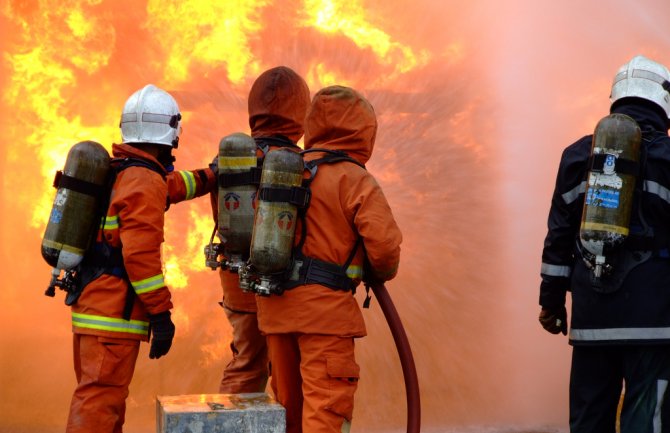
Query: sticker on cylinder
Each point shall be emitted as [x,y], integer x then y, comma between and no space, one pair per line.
[285,220]
[608,166]
[603,198]
[232,201]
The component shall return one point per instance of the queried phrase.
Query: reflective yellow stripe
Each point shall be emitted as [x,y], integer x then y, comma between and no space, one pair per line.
[148,284]
[189,180]
[109,324]
[355,272]
[237,162]
[605,228]
[62,247]
[111,222]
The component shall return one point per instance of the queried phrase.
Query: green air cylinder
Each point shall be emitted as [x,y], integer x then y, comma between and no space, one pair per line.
[610,187]
[236,194]
[75,214]
[275,221]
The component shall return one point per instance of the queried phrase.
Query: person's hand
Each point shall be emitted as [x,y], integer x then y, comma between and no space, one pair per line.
[162,330]
[214,165]
[554,320]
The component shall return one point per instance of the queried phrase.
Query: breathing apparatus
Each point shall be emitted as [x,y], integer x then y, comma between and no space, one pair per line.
[237,183]
[273,231]
[81,189]
[610,187]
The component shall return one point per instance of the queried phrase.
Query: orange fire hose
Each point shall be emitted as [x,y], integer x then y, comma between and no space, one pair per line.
[406,358]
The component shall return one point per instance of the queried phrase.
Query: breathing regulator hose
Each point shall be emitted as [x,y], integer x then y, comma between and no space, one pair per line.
[405,353]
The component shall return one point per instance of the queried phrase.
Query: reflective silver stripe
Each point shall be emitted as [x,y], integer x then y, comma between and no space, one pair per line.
[109,323]
[573,194]
[128,117]
[156,118]
[661,387]
[616,334]
[555,270]
[656,188]
[147,117]
[640,73]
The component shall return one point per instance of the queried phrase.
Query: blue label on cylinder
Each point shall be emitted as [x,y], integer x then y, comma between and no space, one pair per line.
[608,166]
[602,198]
[56,216]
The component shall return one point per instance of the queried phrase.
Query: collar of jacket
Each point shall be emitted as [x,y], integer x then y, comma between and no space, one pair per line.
[645,114]
[275,140]
[128,151]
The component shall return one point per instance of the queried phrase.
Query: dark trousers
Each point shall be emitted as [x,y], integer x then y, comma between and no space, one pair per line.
[597,377]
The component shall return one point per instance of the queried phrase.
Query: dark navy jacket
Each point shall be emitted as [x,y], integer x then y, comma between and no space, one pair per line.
[639,311]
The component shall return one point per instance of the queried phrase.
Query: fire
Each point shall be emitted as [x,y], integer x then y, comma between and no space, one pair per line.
[55,48]
[74,41]
[206,34]
[318,76]
[350,19]
[187,258]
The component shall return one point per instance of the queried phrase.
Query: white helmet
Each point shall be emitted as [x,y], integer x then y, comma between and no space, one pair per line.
[151,115]
[643,78]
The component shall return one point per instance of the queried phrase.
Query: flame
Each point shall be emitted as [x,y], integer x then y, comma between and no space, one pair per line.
[50,61]
[187,256]
[56,48]
[206,34]
[319,76]
[350,19]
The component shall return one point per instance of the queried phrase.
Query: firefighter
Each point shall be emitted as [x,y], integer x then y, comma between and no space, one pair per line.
[126,300]
[620,316]
[311,327]
[278,101]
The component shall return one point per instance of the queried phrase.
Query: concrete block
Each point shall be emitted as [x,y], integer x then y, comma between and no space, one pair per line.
[219,413]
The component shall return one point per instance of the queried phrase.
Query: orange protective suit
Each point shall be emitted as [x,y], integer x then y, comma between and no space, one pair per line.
[189,184]
[311,328]
[278,101]
[105,344]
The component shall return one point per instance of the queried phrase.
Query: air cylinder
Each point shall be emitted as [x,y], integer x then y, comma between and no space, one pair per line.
[236,195]
[611,183]
[276,217]
[75,214]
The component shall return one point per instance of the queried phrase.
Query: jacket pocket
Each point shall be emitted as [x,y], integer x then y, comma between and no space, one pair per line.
[343,375]
[118,361]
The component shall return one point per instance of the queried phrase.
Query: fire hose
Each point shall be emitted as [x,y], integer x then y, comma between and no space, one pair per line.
[406,358]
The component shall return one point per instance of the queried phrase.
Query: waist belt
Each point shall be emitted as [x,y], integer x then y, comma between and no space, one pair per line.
[104,259]
[308,270]
[107,259]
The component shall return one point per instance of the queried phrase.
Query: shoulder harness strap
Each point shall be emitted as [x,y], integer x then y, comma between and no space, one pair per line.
[120,164]
[310,270]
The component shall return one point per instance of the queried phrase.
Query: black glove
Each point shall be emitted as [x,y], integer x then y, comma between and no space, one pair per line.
[162,330]
[554,320]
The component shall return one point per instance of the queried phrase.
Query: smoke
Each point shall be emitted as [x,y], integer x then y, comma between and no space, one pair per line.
[475,102]
[553,66]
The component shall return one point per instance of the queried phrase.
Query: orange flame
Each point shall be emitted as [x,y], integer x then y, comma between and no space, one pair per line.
[209,34]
